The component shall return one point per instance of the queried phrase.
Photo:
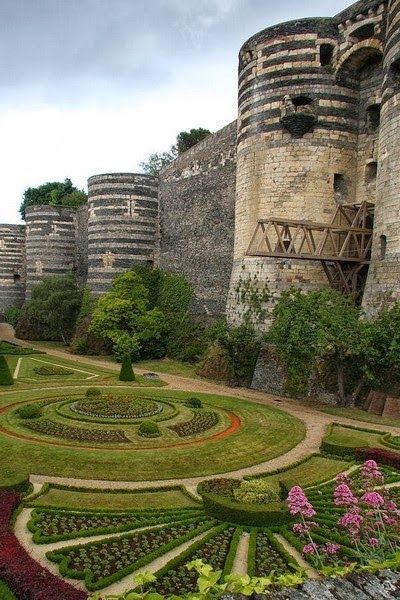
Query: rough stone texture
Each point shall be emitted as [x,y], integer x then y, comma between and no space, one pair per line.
[269,374]
[12,268]
[122,225]
[327,157]
[383,284]
[50,243]
[197,197]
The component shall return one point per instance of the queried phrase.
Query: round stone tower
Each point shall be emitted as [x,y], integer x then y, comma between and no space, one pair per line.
[50,242]
[297,142]
[122,225]
[12,271]
[383,284]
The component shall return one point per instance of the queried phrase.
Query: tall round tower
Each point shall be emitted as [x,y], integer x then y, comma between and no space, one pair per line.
[12,271]
[383,284]
[122,225]
[50,242]
[296,138]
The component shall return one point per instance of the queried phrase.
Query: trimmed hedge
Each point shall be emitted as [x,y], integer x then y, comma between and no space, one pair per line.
[251,553]
[338,449]
[126,373]
[6,593]
[380,455]
[149,429]
[62,559]
[29,411]
[227,510]
[5,373]
[158,519]
[230,559]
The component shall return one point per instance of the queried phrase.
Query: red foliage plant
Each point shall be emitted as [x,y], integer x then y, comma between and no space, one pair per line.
[25,577]
[380,455]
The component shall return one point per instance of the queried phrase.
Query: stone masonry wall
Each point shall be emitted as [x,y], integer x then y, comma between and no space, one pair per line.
[197,198]
[12,266]
[122,225]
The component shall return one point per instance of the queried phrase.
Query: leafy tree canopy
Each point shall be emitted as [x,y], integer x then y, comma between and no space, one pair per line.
[123,316]
[184,141]
[53,193]
[52,311]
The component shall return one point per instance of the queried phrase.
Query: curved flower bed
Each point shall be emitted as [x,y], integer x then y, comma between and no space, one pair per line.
[121,407]
[49,370]
[201,421]
[25,577]
[75,433]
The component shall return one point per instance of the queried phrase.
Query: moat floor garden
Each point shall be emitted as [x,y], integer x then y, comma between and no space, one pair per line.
[101,495]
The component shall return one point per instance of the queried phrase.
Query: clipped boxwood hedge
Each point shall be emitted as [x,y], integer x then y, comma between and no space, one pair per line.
[224,509]
[339,449]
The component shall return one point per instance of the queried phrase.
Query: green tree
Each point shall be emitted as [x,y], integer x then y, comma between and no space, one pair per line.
[187,139]
[52,311]
[83,341]
[55,193]
[123,316]
[5,374]
[184,141]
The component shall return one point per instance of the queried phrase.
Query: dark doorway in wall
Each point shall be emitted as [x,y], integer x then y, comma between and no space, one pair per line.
[383,244]
[364,32]
[340,188]
[16,277]
[371,171]
[326,54]
[373,116]
[394,71]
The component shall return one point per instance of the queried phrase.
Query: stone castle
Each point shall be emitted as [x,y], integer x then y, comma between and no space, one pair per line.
[303,189]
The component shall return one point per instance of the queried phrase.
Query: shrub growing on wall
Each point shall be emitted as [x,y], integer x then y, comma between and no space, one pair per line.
[12,314]
[83,341]
[5,374]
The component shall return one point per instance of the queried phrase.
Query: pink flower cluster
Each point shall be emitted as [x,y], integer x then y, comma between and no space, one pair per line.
[373,499]
[371,473]
[343,496]
[299,504]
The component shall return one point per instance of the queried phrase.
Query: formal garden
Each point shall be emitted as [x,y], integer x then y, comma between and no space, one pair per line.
[161,480]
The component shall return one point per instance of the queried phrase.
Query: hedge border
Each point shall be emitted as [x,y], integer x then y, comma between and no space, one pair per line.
[185,554]
[251,552]
[230,557]
[59,486]
[105,421]
[229,511]
[6,592]
[38,538]
[61,559]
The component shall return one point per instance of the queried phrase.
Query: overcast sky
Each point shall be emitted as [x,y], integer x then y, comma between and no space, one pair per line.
[94,86]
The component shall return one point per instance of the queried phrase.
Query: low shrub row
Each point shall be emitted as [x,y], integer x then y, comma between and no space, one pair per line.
[224,509]
[26,578]
[102,563]
[380,455]
[77,434]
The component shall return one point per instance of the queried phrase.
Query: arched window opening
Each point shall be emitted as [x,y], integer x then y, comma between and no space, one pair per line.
[326,54]
[301,101]
[364,32]
[383,243]
[340,188]
[371,170]
[373,116]
[394,71]
[16,277]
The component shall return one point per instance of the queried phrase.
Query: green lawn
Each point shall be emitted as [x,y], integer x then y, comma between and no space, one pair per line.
[315,470]
[23,370]
[355,438]
[169,366]
[94,500]
[361,415]
[264,433]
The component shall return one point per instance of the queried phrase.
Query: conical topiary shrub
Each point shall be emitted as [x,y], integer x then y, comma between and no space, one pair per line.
[126,373]
[5,375]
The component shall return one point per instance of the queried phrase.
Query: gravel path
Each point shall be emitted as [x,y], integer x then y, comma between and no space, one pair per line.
[240,562]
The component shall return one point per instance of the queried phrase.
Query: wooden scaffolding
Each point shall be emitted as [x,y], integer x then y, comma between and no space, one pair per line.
[343,247]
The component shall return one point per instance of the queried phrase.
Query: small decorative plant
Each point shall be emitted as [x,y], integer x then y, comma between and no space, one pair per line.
[149,429]
[31,411]
[126,373]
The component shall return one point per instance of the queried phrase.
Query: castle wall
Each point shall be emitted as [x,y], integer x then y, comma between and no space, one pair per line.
[12,271]
[197,198]
[383,284]
[50,243]
[81,245]
[122,225]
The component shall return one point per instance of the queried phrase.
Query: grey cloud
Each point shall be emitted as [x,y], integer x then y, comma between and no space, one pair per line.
[52,50]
